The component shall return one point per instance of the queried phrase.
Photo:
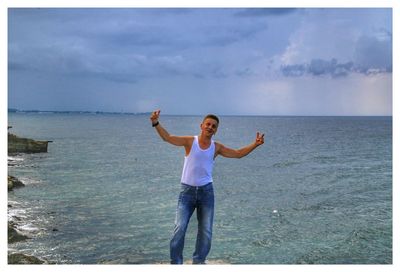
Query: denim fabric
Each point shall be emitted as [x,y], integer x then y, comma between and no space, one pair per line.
[191,198]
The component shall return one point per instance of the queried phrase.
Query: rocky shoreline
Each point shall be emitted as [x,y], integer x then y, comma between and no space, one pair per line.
[24,145]
[21,145]
[18,258]
[13,182]
[14,235]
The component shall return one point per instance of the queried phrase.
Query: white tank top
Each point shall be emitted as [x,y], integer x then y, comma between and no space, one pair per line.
[198,166]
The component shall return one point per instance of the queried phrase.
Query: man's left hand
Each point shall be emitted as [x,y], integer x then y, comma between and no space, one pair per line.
[259,139]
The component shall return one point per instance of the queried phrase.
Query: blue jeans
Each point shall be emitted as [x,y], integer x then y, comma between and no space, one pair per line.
[191,198]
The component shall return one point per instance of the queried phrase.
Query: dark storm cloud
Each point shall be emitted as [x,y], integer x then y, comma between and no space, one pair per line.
[295,70]
[318,67]
[122,44]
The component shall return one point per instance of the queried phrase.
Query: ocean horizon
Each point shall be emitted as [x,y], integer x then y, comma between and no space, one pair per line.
[33,111]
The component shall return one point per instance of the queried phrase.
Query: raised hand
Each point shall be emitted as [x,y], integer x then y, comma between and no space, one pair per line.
[154,116]
[259,139]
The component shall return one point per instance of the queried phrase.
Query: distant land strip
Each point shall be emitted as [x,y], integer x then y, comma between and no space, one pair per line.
[80,112]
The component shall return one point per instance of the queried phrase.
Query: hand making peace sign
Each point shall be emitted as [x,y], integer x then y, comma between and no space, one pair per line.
[259,139]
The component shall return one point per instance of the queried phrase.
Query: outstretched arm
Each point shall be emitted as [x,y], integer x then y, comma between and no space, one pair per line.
[175,140]
[241,152]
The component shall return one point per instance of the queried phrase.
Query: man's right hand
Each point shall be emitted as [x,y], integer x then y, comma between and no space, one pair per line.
[154,116]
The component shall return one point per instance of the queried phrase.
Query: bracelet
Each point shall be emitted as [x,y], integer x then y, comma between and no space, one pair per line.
[156,124]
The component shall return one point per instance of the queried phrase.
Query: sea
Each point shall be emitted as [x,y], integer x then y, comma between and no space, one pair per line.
[319,191]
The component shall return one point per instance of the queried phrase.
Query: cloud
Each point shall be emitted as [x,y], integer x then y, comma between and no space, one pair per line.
[225,35]
[318,67]
[99,58]
[265,12]
[74,62]
[126,44]
[374,53]
[337,48]
[339,41]
[295,70]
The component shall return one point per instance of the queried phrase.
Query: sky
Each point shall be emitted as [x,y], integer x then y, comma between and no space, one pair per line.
[233,61]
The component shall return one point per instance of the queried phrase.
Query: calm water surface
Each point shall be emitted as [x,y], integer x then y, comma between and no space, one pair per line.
[318,191]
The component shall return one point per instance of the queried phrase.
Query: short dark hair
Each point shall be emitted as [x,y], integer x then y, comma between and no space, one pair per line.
[212,116]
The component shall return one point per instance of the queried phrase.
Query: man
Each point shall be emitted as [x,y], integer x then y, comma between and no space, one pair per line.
[196,183]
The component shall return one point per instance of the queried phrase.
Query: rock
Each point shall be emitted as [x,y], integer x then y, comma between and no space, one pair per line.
[18,258]
[13,182]
[13,235]
[25,145]
[16,218]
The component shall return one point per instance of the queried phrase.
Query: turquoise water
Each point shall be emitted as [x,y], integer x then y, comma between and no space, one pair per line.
[318,191]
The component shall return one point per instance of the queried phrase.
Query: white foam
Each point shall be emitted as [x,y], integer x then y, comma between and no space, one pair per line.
[11,202]
[15,158]
[28,228]
[28,180]
[14,161]
[16,213]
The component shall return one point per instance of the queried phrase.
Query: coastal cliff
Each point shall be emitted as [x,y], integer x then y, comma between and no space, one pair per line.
[24,145]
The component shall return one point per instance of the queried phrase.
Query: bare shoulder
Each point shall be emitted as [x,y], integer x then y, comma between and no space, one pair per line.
[185,141]
[188,140]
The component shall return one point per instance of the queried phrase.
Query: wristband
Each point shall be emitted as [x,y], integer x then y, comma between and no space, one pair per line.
[156,124]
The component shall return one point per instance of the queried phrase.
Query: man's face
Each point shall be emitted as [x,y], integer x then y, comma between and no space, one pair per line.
[209,126]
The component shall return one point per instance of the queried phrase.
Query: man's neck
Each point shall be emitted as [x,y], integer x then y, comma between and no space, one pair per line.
[204,138]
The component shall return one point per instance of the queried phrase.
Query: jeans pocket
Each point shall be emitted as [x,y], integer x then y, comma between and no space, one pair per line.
[209,192]
[184,189]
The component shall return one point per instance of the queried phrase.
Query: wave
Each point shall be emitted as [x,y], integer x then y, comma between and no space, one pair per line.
[24,221]
[16,214]
[29,180]
[28,227]
[324,159]
[10,158]
[285,164]
[14,161]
